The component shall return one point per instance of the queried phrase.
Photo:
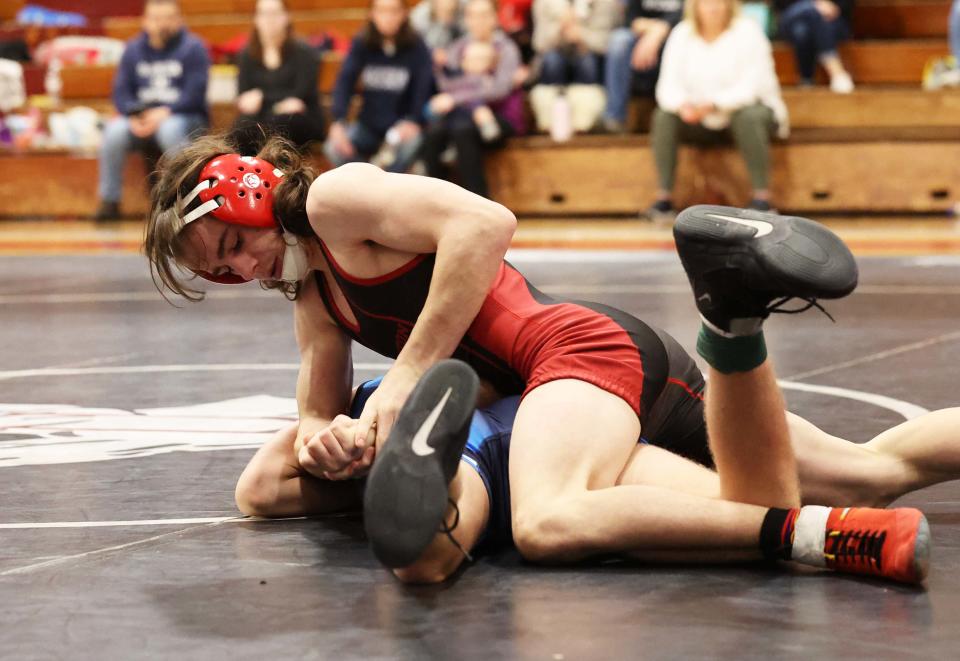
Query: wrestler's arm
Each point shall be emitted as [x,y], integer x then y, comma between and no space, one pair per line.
[326,367]
[407,213]
[275,483]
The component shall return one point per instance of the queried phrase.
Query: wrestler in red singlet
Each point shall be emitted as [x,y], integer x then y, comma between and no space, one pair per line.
[522,338]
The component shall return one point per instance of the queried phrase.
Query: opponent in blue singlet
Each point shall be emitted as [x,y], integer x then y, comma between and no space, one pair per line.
[487,452]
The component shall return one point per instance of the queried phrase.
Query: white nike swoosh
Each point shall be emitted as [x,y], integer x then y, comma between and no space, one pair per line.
[763,227]
[419,444]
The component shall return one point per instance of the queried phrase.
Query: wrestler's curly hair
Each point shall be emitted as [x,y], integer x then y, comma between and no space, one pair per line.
[177,174]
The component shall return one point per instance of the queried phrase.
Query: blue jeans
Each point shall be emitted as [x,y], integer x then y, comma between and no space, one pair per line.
[811,35]
[172,134]
[560,67]
[955,29]
[620,78]
[366,142]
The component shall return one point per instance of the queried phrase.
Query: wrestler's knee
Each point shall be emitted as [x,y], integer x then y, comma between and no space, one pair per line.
[547,533]
[253,496]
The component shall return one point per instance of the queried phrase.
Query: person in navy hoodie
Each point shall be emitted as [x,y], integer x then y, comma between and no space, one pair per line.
[160,92]
[394,68]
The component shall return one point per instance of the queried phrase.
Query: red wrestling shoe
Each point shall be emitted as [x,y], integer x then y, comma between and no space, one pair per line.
[892,544]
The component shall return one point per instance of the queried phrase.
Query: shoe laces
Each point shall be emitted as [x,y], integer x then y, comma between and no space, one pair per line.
[777,304]
[448,529]
[855,547]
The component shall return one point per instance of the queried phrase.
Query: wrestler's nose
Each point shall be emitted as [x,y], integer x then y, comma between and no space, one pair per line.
[244,265]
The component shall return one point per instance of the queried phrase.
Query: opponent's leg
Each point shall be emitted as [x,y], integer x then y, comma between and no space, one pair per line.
[910,456]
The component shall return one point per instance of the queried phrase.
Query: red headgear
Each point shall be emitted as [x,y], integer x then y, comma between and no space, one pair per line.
[237,190]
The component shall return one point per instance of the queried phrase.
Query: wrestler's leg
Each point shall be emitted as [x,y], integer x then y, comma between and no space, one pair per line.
[565,499]
[749,439]
[910,456]
[273,485]
[832,471]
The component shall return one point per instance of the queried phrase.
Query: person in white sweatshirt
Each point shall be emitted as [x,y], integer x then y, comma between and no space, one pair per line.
[717,79]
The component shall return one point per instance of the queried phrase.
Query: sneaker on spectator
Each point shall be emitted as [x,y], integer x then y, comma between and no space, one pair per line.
[449,156]
[661,212]
[841,83]
[758,204]
[489,130]
[612,126]
[107,211]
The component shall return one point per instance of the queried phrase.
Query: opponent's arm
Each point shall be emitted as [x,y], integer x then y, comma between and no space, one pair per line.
[468,233]
[274,485]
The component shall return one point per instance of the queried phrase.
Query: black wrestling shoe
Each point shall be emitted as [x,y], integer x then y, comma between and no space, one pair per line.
[407,490]
[744,264]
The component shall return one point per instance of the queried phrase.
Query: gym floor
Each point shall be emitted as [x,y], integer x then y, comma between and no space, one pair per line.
[125,423]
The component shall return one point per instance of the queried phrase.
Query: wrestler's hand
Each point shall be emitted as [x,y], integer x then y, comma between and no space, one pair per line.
[380,411]
[332,453]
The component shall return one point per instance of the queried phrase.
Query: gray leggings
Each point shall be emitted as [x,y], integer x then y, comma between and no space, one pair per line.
[751,128]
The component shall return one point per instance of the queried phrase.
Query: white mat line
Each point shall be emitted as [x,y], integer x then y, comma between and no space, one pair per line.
[880,355]
[154,369]
[118,524]
[28,569]
[906,409]
[629,288]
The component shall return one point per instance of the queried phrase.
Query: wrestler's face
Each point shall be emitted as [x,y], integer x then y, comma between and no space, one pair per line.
[221,249]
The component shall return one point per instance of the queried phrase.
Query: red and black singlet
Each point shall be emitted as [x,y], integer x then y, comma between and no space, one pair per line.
[520,339]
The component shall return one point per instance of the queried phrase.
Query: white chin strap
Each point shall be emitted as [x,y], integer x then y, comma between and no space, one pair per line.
[295,265]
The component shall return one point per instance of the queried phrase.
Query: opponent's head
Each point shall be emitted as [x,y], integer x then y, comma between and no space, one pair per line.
[229,218]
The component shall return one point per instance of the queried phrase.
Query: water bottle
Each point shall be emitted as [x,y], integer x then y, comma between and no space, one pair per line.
[53,82]
[561,118]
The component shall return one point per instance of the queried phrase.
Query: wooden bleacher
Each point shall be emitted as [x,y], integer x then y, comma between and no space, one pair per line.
[91,83]
[604,176]
[245,7]
[889,147]
[900,19]
[220,28]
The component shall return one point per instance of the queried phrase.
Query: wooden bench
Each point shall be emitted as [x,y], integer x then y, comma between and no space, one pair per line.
[871,62]
[97,82]
[900,19]
[596,176]
[10,8]
[218,29]
[246,7]
[599,175]
[61,185]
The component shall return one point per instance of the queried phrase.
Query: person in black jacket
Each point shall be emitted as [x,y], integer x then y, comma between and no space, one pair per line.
[814,28]
[633,55]
[395,69]
[278,83]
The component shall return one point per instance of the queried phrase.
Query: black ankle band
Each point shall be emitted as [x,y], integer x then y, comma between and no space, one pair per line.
[776,542]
